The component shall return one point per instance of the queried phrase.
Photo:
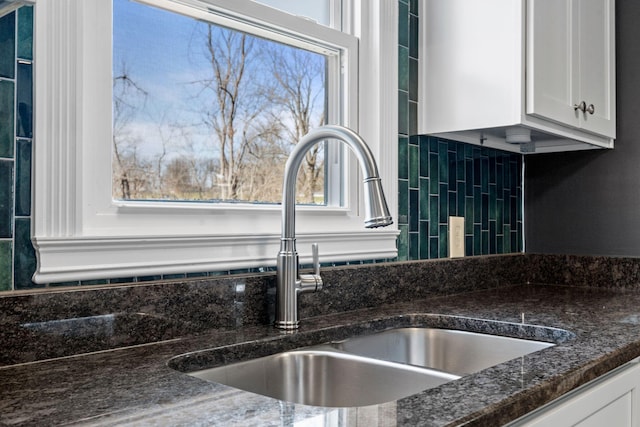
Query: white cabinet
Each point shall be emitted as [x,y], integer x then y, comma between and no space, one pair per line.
[612,400]
[520,75]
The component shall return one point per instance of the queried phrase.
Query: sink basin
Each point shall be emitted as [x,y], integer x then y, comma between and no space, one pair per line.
[363,370]
[326,378]
[453,351]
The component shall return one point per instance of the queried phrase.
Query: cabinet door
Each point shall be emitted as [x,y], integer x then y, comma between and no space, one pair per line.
[612,400]
[570,60]
[596,79]
[550,61]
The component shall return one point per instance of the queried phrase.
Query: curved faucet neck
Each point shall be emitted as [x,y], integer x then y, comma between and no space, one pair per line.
[347,136]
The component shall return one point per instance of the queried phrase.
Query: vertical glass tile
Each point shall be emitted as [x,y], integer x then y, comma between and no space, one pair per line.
[403,24]
[477,205]
[413,118]
[484,171]
[444,241]
[25,257]
[492,169]
[493,197]
[25,32]
[507,239]
[7,118]
[414,166]
[519,237]
[453,203]
[434,215]
[434,168]
[434,249]
[414,206]
[8,45]
[5,266]
[500,214]
[24,101]
[444,204]
[413,7]
[485,211]
[514,241]
[460,163]
[23,178]
[492,237]
[468,166]
[485,242]
[403,202]
[515,174]
[413,79]
[413,36]
[6,198]
[468,245]
[499,176]
[403,113]
[461,208]
[477,170]
[453,169]
[424,156]
[424,240]
[468,215]
[403,157]
[414,246]
[403,243]
[477,240]
[434,145]
[424,199]
[403,68]
[443,164]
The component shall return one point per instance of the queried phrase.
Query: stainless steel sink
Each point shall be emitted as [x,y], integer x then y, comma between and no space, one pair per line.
[457,352]
[367,370]
[326,378]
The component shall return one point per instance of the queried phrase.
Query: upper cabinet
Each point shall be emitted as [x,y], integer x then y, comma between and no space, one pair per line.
[527,76]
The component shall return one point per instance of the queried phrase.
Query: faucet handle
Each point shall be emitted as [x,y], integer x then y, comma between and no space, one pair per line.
[312,282]
[315,255]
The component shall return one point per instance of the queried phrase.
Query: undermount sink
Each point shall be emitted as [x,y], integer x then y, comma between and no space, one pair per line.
[326,378]
[457,352]
[372,369]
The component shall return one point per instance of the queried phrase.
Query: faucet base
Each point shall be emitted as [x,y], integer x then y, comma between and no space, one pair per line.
[287,324]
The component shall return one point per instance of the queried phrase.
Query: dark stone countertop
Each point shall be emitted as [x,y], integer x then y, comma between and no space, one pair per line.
[135,385]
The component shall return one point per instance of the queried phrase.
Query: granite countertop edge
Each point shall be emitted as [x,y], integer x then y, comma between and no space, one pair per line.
[136,386]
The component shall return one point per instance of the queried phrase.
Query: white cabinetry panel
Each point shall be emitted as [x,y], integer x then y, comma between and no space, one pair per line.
[492,68]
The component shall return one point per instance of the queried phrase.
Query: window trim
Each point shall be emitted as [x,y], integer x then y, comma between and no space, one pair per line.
[79,236]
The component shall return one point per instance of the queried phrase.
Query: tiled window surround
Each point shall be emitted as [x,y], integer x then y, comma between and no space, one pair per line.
[437,178]
[17,259]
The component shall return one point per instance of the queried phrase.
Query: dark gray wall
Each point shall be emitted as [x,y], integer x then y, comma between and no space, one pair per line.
[589,202]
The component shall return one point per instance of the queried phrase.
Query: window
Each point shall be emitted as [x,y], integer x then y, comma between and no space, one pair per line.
[82,232]
[204,112]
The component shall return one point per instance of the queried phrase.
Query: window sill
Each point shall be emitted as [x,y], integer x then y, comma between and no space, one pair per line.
[87,258]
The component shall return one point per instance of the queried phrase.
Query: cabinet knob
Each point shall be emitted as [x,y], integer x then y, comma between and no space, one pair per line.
[582,106]
[591,109]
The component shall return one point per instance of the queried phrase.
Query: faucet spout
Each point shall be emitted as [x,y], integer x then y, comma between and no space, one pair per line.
[289,283]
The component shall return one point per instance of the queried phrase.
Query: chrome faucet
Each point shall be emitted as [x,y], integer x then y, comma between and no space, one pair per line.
[289,283]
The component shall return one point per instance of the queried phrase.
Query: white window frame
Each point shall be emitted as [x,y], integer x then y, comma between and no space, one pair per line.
[80,233]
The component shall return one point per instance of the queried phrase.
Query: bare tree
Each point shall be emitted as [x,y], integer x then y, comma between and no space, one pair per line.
[236,102]
[300,91]
[127,97]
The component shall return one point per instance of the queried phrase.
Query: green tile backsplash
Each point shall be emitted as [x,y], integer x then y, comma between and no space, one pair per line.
[436,178]
[7,115]
[439,178]
[17,256]
[8,45]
